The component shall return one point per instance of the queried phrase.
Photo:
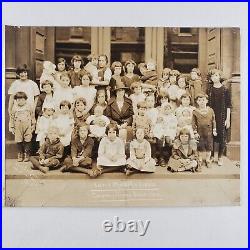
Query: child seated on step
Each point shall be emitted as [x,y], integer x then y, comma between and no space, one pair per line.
[111,152]
[140,155]
[184,153]
[97,123]
[81,150]
[50,152]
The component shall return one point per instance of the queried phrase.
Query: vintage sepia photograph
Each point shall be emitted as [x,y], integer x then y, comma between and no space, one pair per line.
[122,116]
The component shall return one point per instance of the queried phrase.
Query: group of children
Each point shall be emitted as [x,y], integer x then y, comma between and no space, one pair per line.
[174,124]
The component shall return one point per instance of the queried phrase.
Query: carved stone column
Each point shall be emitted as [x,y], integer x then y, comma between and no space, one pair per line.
[154,46]
[233,147]
[101,41]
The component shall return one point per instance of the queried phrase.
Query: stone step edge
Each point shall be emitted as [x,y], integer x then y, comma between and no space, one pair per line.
[122,176]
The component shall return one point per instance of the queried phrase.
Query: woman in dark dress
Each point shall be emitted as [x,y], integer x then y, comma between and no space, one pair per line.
[220,102]
[120,111]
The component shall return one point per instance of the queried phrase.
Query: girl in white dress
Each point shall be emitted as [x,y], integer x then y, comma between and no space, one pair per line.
[64,92]
[85,91]
[44,122]
[65,123]
[111,152]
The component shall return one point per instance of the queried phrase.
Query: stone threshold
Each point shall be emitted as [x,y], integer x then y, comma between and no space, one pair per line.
[230,170]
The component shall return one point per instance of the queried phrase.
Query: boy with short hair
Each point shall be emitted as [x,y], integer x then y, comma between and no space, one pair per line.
[50,153]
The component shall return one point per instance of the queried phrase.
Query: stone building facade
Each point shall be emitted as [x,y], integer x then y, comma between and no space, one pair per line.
[179,48]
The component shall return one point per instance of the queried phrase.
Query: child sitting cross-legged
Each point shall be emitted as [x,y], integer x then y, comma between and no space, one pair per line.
[50,152]
[81,151]
[184,153]
[111,152]
[140,155]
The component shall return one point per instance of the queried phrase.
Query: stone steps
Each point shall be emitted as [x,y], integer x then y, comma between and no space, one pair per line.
[230,170]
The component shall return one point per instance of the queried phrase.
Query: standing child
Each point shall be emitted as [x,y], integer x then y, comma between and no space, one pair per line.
[77,70]
[195,84]
[50,152]
[162,97]
[64,93]
[49,73]
[104,72]
[111,152]
[137,95]
[141,120]
[184,154]
[23,84]
[163,83]
[101,100]
[97,123]
[150,78]
[44,122]
[140,155]
[151,112]
[165,132]
[185,121]
[185,101]
[130,76]
[46,98]
[116,78]
[91,66]
[61,67]
[85,91]
[181,82]
[81,151]
[204,126]
[173,88]
[79,111]
[166,124]
[65,122]
[220,102]
[22,124]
